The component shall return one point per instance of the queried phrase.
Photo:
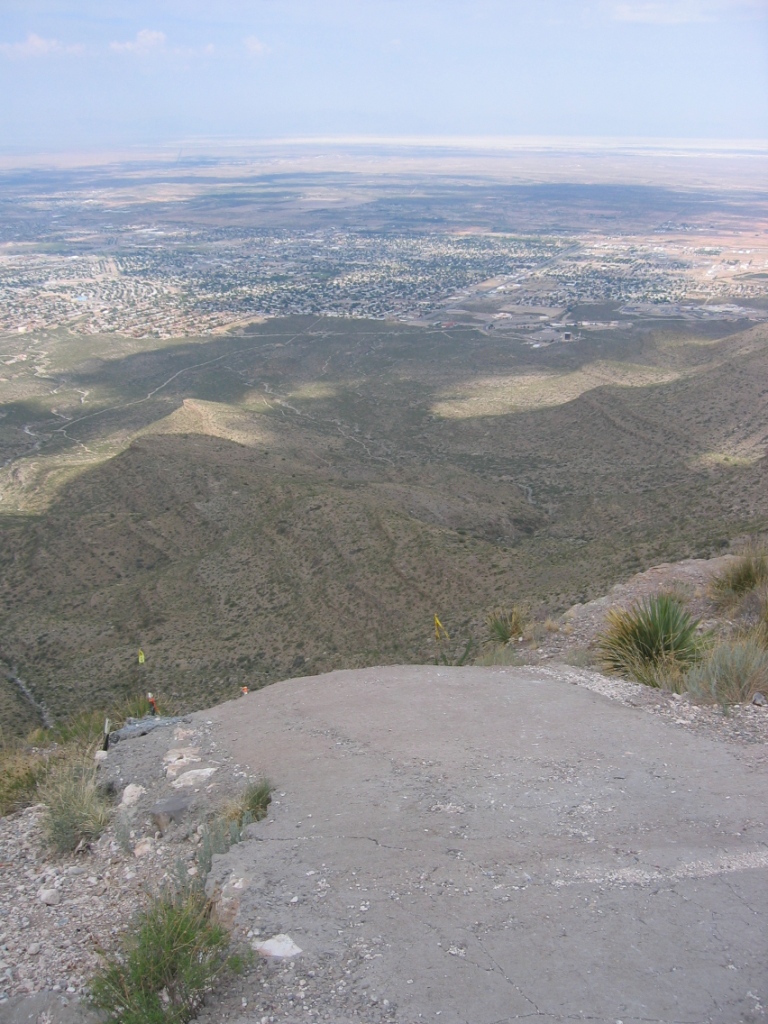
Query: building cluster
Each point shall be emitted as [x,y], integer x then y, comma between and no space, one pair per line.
[142,281]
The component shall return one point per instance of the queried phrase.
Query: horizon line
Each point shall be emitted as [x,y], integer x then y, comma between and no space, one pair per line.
[182,148]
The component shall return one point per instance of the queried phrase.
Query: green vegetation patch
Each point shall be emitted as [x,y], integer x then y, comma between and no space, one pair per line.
[167,961]
[655,641]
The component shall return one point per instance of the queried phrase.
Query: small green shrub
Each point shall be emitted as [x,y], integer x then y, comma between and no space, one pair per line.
[749,571]
[167,960]
[75,811]
[654,641]
[216,838]
[505,624]
[731,673]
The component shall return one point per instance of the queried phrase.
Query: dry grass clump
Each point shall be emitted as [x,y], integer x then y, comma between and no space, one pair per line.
[252,804]
[80,735]
[654,642]
[75,811]
[746,574]
[510,654]
[731,673]
[168,960]
[26,768]
[22,769]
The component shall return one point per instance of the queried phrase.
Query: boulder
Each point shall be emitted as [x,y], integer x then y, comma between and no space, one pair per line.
[173,808]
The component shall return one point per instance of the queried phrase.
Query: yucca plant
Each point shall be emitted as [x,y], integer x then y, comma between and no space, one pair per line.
[505,624]
[731,673]
[655,641]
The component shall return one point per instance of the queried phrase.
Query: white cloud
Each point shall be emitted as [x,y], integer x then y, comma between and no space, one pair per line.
[255,46]
[36,46]
[146,41]
[682,12]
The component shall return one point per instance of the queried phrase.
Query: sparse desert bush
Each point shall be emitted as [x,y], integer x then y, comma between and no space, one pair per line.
[169,957]
[509,654]
[138,707]
[505,624]
[654,642]
[83,733]
[22,769]
[760,631]
[226,829]
[666,673]
[580,657]
[216,838]
[749,571]
[252,804]
[731,673]
[75,810]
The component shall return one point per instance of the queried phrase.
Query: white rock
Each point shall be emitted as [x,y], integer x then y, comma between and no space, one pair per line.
[281,946]
[181,754]
[50,897]
[193,778]
[132,794]
[143,848]
[33,949]
[100,755]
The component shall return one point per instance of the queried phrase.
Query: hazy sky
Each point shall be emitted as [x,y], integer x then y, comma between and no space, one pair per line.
[107,73]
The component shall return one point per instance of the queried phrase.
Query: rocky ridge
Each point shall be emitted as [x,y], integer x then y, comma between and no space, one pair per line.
[57,913]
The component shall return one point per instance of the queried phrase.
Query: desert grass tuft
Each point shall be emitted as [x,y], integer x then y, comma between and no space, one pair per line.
[731,673]
[168,959]
[654,641]
[748,572]
[75,811]
[580,657]
[509,654]
[252,804]
[82,734]
[22,769]
[138,707]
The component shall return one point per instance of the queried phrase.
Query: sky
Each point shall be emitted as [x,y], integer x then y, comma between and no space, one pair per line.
[101,74]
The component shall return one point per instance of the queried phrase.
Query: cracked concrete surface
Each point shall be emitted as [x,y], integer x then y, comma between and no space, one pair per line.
[490,845]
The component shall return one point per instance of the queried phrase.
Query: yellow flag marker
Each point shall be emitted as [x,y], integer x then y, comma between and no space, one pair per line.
[141,656]
[440,628]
